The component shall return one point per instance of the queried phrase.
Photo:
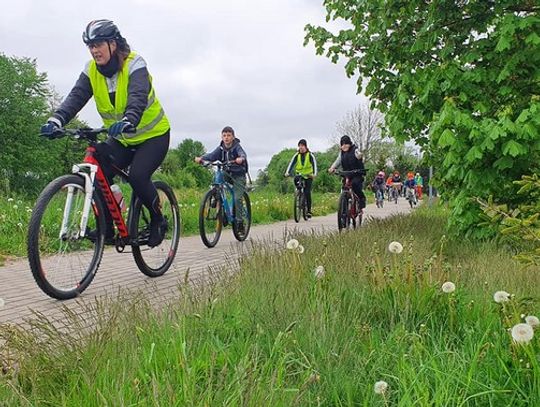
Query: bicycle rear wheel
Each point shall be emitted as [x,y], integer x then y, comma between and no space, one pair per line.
[211,218]
[297,205]
[240,234]
[63,263]
[155,261]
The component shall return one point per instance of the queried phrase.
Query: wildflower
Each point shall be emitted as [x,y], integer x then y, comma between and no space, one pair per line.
[319,272]
[522,333]
[19,224]
[15,207]
[300,249]
[293,244]
[448,287]
[10,200]
[380,387]
[395,247]
[2,303]
[501,296]
[532,321]
[29,210]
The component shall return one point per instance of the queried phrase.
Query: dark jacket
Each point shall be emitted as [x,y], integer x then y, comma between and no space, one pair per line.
[224,154]
[349,161]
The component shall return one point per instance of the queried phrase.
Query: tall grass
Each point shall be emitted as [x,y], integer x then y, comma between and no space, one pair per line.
[277,334]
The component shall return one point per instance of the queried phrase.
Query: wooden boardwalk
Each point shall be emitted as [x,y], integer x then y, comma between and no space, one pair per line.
[118,272]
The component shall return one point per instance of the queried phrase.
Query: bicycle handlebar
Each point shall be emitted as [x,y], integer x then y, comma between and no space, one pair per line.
[218,163]
[349,173]
[85,133]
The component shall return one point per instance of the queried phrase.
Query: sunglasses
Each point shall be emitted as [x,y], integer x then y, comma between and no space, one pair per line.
[96,44]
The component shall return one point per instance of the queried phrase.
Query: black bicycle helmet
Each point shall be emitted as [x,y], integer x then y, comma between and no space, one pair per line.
[100,30]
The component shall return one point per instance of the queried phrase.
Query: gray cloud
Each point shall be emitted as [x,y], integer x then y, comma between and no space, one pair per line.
[214,63]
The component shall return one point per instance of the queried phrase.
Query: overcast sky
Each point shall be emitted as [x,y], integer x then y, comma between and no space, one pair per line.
[213,62]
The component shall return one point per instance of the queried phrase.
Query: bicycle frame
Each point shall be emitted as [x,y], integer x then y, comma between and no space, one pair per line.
[91,170]
[223,186]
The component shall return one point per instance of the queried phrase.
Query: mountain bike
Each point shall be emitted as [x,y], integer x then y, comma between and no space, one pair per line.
[218,208]
[66,234]
[300,201]
[379,197]
[410,195]
[349,213]
[394,192]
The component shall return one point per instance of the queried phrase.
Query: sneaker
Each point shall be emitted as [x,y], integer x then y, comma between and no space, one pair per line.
[309,215]
[158,228]
[109,236]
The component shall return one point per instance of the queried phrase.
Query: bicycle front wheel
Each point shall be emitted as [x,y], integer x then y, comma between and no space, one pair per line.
[211,218]
[242,232]
[62,262]
[155,261]
[297,205]
[343,212]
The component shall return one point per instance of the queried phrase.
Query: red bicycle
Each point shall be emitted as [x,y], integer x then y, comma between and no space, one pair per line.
[349,212]
[64,257]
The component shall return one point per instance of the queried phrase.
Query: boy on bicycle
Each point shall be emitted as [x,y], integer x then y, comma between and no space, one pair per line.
[230,151]
[379,183]
[350,159]
[304,165]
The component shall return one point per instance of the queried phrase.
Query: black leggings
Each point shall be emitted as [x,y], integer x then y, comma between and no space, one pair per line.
[143,159]
[357,183]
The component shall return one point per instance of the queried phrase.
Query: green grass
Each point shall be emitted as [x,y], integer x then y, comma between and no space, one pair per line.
[267,207]
[275,335]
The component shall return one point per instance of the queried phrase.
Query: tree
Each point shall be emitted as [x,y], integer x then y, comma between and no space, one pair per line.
[363,125]
[460,78]
[179,164]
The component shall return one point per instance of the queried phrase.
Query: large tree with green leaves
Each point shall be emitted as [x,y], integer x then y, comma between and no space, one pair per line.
[460,78]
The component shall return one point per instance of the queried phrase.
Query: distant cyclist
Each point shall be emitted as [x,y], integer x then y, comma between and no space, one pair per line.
[230,150]
[379,183]
[349,159]
[419,184]
[139,131]
[303,165]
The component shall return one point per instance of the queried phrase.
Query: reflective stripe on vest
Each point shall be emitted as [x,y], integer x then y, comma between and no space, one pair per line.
[306,168]
[153,122]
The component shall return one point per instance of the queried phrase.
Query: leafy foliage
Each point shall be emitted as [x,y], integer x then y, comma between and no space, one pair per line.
[522,224]
[461,79]
[179,169]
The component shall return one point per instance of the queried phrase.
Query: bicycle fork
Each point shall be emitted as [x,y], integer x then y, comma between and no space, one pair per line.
[89,176]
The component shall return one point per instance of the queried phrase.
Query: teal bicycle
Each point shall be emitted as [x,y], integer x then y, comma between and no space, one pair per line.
[218,208]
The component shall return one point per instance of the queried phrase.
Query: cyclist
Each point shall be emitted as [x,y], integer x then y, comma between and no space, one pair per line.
[419,184]
[139,131]
[410,184]
[303,165]
[379,183]
[230,150]
[396,181]
[350,158]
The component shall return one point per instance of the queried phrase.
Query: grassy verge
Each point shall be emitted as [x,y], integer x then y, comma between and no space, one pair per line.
[267,207]
[317,328]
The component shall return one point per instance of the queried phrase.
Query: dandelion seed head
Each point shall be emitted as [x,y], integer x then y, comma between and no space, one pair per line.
[300,249]
[293,244]
[380,387]
[15,206]
[522,333]
[395,247]
[501,296]
[532,321]
[10,200]
[448,287]
[319,272]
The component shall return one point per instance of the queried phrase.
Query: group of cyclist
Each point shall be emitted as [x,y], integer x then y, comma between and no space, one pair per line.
[139,131]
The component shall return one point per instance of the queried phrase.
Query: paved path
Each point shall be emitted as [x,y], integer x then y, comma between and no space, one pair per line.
[118,271]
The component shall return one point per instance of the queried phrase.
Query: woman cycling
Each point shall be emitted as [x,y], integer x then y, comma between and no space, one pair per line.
[139,131]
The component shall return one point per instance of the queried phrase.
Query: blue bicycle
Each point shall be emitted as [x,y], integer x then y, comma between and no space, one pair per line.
[218,208]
